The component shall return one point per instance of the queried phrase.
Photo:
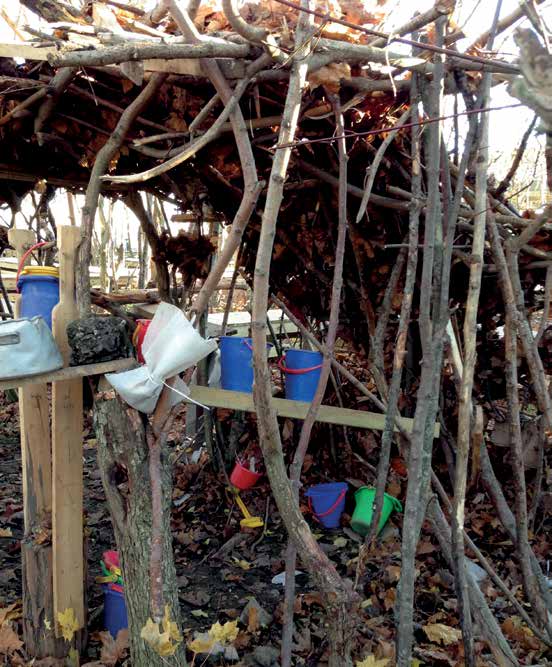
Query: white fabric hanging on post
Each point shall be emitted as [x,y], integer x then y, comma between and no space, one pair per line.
[170,346]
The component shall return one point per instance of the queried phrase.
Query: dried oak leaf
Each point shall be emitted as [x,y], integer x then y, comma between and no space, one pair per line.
[330,77]
[9,641]
[10,613]
[113,650]
[442,634]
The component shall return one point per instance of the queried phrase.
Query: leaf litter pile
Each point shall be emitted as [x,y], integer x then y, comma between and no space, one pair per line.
[231,579]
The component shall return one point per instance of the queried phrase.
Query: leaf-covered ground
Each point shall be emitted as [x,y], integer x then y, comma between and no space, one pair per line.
[226,575]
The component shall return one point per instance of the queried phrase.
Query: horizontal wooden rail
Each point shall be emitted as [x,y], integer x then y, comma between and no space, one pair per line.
[329,414]
[70,373]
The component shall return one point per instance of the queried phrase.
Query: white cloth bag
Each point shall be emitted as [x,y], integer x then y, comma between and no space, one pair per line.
[170,346]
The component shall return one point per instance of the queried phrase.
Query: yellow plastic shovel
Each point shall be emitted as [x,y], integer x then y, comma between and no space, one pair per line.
[248,521]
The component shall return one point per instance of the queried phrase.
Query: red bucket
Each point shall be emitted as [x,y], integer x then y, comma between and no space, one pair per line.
[243,478]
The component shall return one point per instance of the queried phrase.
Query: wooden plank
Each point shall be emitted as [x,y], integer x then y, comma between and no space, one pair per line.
[233,69]
[36,463]
[67,467]
[329,414]
[27,51]
[70,373]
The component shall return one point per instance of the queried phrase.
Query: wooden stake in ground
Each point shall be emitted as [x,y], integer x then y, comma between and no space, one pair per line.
[67,416]
[36,463]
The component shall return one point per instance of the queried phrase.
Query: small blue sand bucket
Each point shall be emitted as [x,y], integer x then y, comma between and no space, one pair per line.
[302,369]
[236,363]
[115,612]
[39,295]
[327,502]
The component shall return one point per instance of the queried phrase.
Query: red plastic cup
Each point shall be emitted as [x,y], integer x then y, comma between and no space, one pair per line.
[243,478]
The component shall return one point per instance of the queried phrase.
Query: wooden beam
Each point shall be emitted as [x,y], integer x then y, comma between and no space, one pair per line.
[329,414]
[36,478]
[67,466]
[70,373]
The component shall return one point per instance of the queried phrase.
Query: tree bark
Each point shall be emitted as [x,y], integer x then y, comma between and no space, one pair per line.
[123,459]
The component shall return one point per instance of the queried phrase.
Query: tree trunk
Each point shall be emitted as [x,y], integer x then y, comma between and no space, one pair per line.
[38,601]
[123,459]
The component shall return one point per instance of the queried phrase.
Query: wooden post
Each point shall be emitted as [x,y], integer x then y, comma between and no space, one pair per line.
[36,546]
[67,410]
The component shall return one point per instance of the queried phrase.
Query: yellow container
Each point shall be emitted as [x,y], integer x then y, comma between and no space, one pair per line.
[40,271]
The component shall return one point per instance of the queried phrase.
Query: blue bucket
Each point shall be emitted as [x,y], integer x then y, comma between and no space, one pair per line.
[115,612]
[327,502]
[39,295]
[302,369]
[236,363]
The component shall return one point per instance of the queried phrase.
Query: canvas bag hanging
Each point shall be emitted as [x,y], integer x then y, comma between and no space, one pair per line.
[27,347]
[170,346]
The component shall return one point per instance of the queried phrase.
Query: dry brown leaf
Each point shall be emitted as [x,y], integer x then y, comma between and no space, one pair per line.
[253,619]
[330,77]
[514,628]
[9,641]
[442,634]
[10,613]
[113,650]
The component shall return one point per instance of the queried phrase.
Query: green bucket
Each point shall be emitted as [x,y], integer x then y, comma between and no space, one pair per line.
[362,516]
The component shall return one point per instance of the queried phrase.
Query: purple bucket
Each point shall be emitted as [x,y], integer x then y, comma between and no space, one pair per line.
[327,502]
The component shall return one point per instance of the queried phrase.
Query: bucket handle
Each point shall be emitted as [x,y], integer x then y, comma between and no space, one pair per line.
[295,371]
[22,261]
[330,510]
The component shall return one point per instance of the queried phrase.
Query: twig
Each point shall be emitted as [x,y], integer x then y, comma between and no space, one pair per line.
[419,461]
[136,52]
[378,342]
[491,630]
[416,23]
[134,201]
[487,566]
[337,599]
[372,170]
[254,34]
[538,479]
[404,321]
[512,323]
[35,97]
[505,182]
[427,121]
[304,438]
[101,165]
[190,149]
[56,88]
[547,302]
[327,17]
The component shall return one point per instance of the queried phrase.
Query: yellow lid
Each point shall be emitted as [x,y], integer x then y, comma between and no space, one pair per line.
[40,271]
